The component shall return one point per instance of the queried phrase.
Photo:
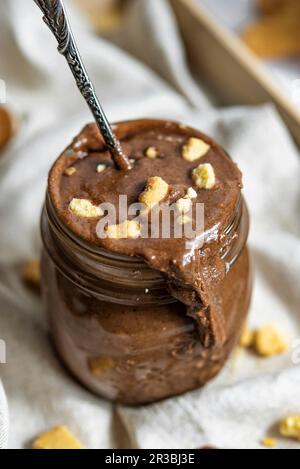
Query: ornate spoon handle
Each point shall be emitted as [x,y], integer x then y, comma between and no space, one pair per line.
[55,17]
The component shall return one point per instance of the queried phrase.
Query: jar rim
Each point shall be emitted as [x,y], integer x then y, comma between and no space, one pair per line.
[135,261]
[132,274]
[231,226]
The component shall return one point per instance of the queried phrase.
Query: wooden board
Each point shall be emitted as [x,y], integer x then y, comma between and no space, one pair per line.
[221,60]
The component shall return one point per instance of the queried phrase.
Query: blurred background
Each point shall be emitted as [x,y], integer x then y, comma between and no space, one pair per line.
[239,51]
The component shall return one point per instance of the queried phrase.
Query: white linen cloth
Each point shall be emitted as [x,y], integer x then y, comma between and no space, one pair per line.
[247,399]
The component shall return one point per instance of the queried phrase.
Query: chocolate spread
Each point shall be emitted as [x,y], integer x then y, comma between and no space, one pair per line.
[198,279]
[191,274]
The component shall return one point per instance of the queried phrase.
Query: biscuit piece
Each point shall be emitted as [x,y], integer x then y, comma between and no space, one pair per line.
[156,190]
[85,209]
[184,205]
[191,193]
[151,153]
[290,427]
[57,438]
[247,338]
[269,442]
[105,15]
[127,229]
[101,168]
[204,176]
[194,149]
[268,341]
[31,275]
[276,35]
[70,171]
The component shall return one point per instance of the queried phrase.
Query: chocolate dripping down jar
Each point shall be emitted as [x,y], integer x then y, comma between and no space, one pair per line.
[115,324]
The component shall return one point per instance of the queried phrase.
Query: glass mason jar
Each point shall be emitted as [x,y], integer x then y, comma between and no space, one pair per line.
[115,324]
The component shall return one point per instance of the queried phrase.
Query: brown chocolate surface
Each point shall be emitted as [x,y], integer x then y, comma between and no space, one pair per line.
[87,151]
[192,274]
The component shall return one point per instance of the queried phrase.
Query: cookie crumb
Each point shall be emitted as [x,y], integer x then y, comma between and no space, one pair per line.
[151,153]
[204,176]
[184,205]
[101,168]
[268,341]
[191,193]
[31,274]
[57,438]
[85,209]
[290,427]
[276,35]
[194,149]
[269,442]
[70,171]
[156,190]
[246,338]
[127,229]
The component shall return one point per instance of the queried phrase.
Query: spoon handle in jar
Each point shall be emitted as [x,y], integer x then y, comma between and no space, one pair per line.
[56,19]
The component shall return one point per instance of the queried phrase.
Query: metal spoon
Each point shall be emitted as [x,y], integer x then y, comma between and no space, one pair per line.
[56,19]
